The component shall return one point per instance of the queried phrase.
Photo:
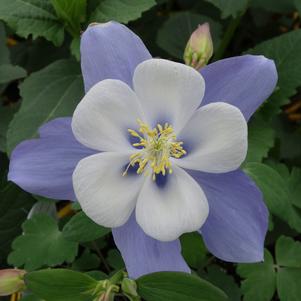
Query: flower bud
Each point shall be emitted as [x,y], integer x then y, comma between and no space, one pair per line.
[11,281]
[129,288]
[199,48]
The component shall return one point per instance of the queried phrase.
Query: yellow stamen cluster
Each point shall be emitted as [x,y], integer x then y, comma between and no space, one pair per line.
[159,144]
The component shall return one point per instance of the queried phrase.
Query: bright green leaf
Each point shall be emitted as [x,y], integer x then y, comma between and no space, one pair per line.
[60,285]
[32,17]
[72,13]
[285,51]
[230,7]
[9,73]
[41,244]
[52,92]
[260,283]
[120,10]
[193,249]
[166,286]
[175,32]
[80,228]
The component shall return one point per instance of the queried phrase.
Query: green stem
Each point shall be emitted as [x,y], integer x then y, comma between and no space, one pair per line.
[103,260]
[232,26]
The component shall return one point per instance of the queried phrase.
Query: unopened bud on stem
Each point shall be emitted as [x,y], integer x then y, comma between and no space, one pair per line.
[199,48]
[11,281]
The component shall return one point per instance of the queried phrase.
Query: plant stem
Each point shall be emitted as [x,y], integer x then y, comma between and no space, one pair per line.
[103,260]
[232,26]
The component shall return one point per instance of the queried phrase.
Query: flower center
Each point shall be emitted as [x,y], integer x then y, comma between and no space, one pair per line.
[158,145]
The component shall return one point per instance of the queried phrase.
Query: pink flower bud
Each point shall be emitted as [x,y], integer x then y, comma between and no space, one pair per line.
[11,281]
[199,48]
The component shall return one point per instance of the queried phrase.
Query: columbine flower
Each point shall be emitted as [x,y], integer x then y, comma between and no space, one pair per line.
[170,149]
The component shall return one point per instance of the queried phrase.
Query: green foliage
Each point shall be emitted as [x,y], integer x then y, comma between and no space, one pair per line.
[14,207]
[72,13]
[260,283]
[261,140]
[59,88]
[40,79]
[262,279]
[168,286]
[120,10]
[60,285]
[230,7]
[32,17]
[80,228]
[32,251]
[284,50]
[175,32]
[277,195]
[193,249]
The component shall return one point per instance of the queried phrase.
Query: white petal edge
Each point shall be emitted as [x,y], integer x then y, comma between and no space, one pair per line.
[216,137]
[102,118]
[165,213]
[168,91]
[105,195]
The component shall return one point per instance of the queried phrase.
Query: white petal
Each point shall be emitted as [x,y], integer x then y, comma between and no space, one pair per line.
[106,196]
[169,91]
[216,139]
[102,118]
[166,212]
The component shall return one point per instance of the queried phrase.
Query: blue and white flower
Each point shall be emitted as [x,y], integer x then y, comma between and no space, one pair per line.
[153,150]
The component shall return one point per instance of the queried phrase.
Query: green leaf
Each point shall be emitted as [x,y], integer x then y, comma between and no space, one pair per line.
[14,207]
[4,53]
[276,193]
[193,249]
[60,285]
[261,139]
[52,92]
[260,283]
[72,13]
[30,298]
[217,276]
[289,284]
[288,256]
[32,17]
[166,286]
[87,261]
[41,244]
[288,252]
[6,115]
[175,32]
[115,260]
[279,6]
[230,7]
[285,51]
[121,10]
[75,48]
[294,186]
[9,73]
[80,228]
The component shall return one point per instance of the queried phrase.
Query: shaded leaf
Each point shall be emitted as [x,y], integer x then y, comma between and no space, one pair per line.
[175,32]
[52,92]
[120,10]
